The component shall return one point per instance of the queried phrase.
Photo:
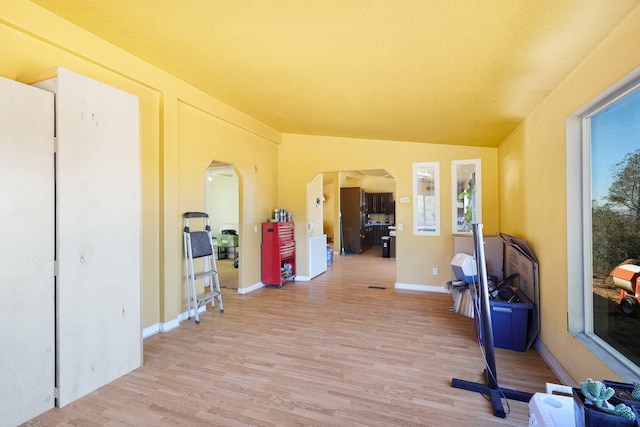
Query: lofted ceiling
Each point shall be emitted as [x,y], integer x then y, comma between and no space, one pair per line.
[461,72]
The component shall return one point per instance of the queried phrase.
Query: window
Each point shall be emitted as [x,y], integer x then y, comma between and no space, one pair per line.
[603,223]
[467,195]
[426,199]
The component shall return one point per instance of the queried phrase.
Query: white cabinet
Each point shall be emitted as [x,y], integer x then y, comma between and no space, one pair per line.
[98,323]
[317,255]
[94,335]
[26,252]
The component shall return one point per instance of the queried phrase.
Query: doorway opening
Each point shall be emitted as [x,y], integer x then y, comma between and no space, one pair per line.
[362,223]
[222,203]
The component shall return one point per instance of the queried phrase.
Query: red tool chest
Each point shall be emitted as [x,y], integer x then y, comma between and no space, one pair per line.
[278,253]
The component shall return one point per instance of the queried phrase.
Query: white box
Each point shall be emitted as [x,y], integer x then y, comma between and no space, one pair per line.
[550,410]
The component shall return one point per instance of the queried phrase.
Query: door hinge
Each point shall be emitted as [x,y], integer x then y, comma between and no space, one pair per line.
[56,393]
[55,144]
[55,268]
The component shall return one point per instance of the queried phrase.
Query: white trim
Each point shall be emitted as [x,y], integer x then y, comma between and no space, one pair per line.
[172,324]
[167,326]
[185,316]
[150,330]
[435,168]
[477,208]
[579,244]
[553,363]
[611,357]
[251,288]
[303,278]
[575,245]
[421,288]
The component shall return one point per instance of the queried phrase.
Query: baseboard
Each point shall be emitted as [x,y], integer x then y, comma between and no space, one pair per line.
[167,326]
[150,330]
[251,288]
[553,363]
[184,315]
[160,327]
[422,288]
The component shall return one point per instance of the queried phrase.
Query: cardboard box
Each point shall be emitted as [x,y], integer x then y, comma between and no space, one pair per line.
[493,252]
[519,258]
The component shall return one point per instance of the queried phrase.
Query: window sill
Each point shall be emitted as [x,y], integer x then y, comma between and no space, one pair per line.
[619,364]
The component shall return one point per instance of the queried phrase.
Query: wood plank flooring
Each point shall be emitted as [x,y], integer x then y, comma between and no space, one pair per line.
[330,352]
[227,274]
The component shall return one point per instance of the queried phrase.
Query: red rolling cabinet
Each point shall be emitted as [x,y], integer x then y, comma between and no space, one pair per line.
[278,253]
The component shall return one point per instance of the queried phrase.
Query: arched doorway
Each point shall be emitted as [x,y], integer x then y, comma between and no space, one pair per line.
[222,203]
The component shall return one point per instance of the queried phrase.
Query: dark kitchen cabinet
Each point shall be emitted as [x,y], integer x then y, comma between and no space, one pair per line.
[366,238]
[386,203]
[379,231]
[379,203]
[375,202]
[352,208]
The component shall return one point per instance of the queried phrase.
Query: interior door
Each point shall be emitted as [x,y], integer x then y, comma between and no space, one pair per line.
[97,234]
[26,252]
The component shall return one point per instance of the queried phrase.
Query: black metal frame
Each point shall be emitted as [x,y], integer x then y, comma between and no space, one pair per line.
[483,318]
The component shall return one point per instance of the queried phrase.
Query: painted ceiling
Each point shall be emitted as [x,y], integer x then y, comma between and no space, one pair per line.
[463,72]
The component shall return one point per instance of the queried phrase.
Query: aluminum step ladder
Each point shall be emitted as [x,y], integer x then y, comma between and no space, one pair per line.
[199,245]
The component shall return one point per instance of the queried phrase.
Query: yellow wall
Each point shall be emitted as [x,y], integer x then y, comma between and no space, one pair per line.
[416,255]
[533,194]
[328,219]
[203,137]
[181,131]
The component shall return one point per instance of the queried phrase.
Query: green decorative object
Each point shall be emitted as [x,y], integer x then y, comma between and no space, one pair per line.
[467,195]
[621,410]
[598,394]
[636,390]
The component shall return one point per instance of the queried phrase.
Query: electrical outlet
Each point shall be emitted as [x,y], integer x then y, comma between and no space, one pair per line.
[400,227]
[435,271]
[255,228]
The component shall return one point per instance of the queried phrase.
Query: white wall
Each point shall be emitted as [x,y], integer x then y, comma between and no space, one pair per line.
[222,194]
[315,211]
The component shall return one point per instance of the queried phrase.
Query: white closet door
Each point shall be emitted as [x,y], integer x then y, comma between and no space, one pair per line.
[97,234]
[26,253]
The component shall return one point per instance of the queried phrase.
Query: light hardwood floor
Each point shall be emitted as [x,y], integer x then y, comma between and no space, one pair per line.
[330,352]
[228,274]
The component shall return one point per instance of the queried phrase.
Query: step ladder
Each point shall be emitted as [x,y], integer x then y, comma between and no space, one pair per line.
[199,245]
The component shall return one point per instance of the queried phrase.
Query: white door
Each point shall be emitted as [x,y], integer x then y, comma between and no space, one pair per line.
[97,234]
[26,252]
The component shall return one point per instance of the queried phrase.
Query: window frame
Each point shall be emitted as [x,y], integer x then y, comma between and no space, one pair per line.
[579,225]
[477,200]
[436,197]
